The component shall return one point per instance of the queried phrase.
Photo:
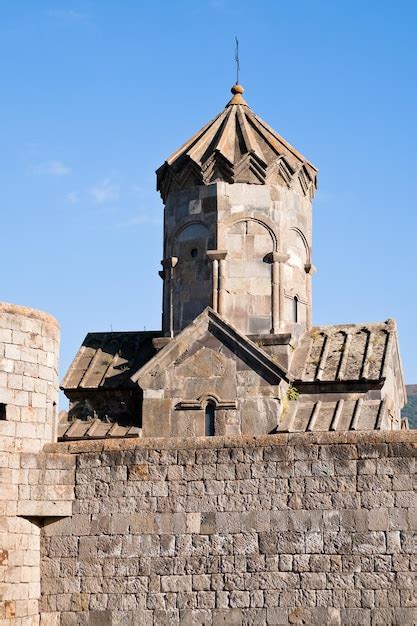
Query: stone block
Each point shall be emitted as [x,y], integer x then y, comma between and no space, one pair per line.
[258,521]
[50,619]
[193,521]
[378,519]
[138,472]
[195,616]
[6,335]
[176,583]
[52,492]
[338,451]
[305,521]
[368,543]
[354,520]
[276,616]
[142,522]
[227,617]
[44,508]
[406,499]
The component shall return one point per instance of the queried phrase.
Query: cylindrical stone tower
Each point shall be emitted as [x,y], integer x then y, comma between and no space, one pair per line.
[238,226]
[29,344]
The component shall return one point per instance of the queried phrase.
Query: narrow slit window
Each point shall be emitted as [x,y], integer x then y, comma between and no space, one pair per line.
[209,420]
[295,309]
[3,411]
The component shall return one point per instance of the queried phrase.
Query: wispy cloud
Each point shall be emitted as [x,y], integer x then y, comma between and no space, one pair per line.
[73,197]
[104,191]
[51,168]
[66,14]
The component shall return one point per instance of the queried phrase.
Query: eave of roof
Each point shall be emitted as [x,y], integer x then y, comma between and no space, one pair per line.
[107,360]
[95,429]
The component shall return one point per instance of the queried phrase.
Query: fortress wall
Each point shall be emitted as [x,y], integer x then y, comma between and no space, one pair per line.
[29,342]
[303,528]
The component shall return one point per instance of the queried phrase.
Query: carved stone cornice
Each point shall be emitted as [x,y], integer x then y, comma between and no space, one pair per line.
[169,263]
[278,257]
[216,255]
[310,269]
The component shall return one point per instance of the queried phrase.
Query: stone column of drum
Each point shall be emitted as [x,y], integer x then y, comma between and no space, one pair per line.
[29,345]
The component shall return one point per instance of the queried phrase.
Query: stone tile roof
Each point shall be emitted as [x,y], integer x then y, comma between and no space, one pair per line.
[236,147]
[93,429]
[349,352]
[108,360]
[340,415]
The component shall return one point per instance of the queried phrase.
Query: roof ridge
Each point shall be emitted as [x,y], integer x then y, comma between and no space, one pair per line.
[253,349]
[389,322]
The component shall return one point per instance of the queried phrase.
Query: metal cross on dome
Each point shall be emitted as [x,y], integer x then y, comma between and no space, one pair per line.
[237,59]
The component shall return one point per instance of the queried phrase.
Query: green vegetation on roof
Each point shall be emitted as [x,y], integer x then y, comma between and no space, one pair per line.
[410,409]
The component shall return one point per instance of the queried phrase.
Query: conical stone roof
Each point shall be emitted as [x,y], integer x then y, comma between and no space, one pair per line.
[236,147]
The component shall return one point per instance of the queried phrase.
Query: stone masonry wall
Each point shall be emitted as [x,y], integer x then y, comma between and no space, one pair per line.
[307,528]
[258,238]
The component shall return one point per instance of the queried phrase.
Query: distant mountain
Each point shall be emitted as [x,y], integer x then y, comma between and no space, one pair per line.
[410,409]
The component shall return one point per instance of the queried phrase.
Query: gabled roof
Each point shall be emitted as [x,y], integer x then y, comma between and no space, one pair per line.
[235,341]
[236,147]
[108,360]
[348,352]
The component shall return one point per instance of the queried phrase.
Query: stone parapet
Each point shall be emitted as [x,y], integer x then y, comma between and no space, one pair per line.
[294,528]
[282,439]
[7,308]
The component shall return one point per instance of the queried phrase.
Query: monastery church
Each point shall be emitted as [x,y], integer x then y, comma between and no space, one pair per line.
[237,466]
[237,354]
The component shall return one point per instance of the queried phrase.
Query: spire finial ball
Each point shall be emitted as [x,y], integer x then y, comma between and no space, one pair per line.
[237,89]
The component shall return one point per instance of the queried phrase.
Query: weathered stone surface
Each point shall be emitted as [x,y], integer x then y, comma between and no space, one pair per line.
[224,542]
[209,364]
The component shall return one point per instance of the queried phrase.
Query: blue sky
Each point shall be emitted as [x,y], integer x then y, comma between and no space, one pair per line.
[96,94]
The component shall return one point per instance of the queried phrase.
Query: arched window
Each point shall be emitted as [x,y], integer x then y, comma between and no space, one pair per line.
[295,309]
[209,419]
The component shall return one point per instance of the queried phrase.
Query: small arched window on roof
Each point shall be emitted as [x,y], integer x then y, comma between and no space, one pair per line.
[295,309]
[209,419]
